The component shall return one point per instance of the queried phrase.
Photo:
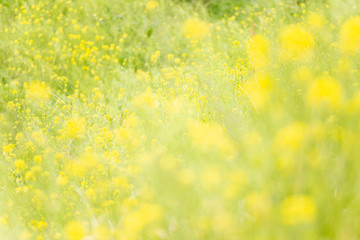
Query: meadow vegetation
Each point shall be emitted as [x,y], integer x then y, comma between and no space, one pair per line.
[164,119]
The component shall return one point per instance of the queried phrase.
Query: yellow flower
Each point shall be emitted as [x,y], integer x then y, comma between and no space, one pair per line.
[135,221]
[195,29]
[20,164]
[290,137]
[131,121]
[75,127]
[208,136]
[8,148]
[127,137]
[353,105]
[151,5]
[350,36]
[296,42]
[316,20]
[62,179]
[38,224]
[298,209]
[142,76]
[154,58]
[121,182]
[37,91]
[87,162]
[287,143]
[146,99]
[324,91]
[259,90]
[4,220]
[258,51]
[75,230]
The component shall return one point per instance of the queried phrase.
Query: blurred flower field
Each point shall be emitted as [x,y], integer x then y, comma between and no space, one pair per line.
[175,119]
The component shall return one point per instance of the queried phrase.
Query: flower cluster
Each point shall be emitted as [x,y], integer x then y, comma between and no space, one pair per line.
[136,120]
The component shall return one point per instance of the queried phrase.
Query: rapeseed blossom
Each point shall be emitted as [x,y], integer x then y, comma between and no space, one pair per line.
[37,91]
[259,90]
[258,51]
[298,209]
[210,136]
[324,91]
[316,20]
[350,36]
[151,5]
[75,230]
[296,42]
[179,120]
[146,99]
[74,127]
[195,29]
